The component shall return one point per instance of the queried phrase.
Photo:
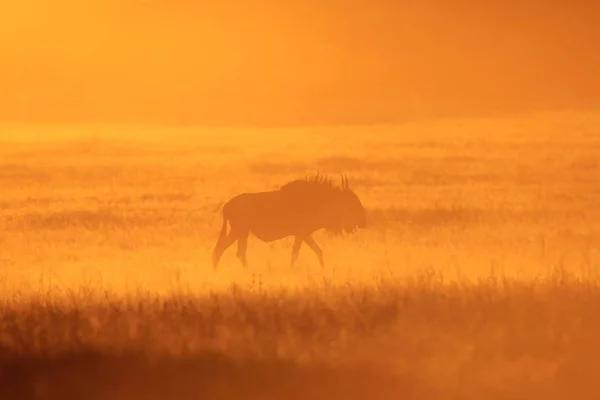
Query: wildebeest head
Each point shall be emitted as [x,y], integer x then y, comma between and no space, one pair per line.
[339,208]
[351,211]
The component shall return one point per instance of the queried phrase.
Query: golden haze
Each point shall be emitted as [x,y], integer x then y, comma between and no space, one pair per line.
[125,125]
[273,63]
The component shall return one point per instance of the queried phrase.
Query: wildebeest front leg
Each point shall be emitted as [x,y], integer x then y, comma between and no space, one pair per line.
[296,249]
[242,246]
[315,247]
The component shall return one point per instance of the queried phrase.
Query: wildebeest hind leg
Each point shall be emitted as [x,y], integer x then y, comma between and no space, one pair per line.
[315,247]
[296,249]
[242,246]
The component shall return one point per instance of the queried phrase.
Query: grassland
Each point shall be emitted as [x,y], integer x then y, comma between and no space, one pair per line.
[477,278]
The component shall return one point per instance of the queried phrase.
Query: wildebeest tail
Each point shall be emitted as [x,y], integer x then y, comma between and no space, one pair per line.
[220,247]
[218,211]
[221,211]
[223,232]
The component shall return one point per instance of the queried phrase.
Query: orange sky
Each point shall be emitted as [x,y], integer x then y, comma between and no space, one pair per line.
[287,62]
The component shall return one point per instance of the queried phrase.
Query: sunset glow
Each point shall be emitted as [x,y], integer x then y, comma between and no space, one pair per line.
[324,200]
[244,63]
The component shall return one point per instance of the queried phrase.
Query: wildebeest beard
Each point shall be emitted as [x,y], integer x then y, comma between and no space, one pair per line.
[344,224]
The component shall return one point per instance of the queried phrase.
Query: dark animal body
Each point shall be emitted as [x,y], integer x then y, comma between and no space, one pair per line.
[298,209]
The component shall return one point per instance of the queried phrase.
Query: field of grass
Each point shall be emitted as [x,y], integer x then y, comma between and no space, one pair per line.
[477,278]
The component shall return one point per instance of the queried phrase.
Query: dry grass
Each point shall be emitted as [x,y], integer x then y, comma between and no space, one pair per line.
[477,278]
[414,339]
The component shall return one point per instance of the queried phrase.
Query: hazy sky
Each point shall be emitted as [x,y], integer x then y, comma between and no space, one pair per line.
[309,61]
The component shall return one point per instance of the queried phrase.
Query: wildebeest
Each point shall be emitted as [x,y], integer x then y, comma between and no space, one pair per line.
[297,208]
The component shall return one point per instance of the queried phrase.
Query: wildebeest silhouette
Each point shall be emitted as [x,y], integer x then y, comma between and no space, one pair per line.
[297,208]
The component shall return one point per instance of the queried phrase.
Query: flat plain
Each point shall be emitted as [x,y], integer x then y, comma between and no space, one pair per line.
[476,278]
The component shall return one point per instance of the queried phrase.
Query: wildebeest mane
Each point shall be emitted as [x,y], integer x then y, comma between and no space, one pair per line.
[318,182]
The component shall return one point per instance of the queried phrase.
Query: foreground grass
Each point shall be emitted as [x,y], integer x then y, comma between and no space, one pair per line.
[418,338]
